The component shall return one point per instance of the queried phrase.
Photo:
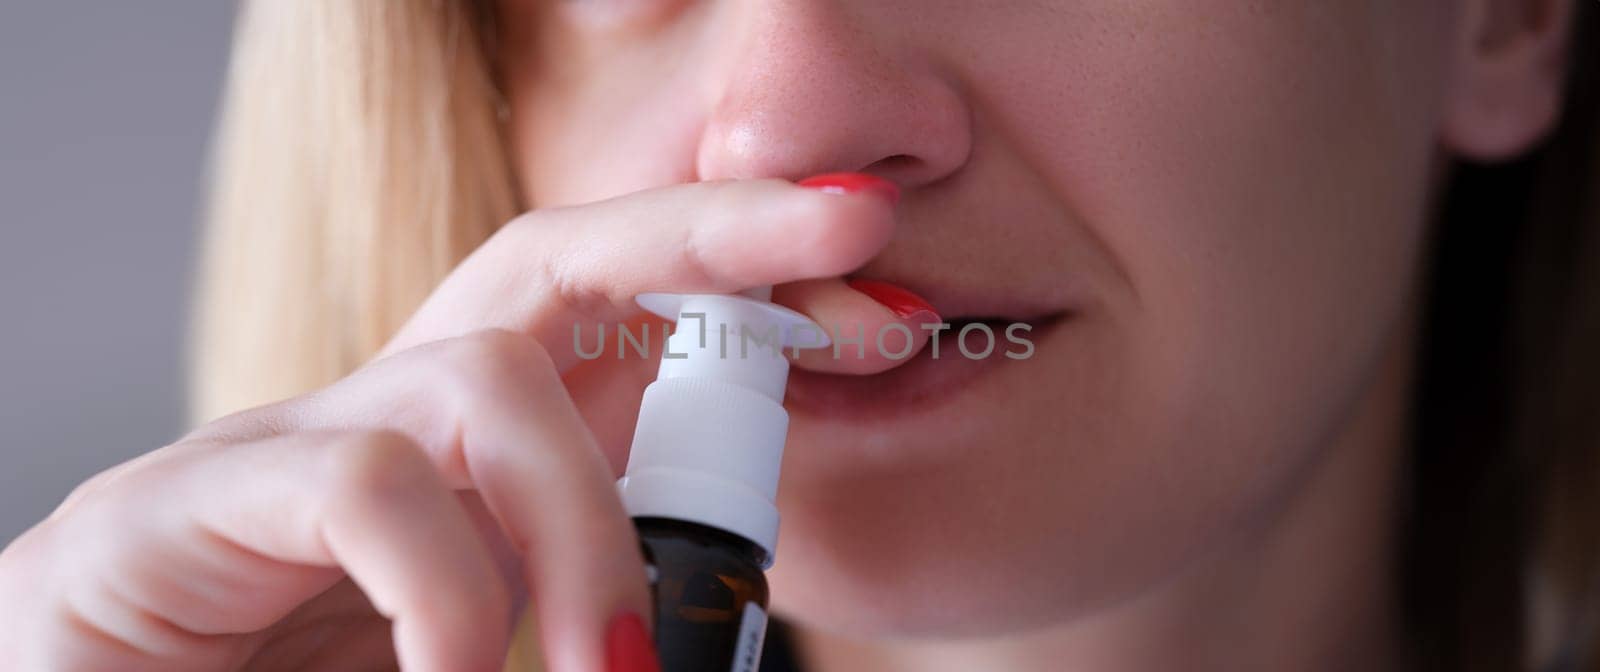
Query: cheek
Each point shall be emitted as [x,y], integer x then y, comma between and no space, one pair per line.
[587,127]
[1259,172]
[1262,190]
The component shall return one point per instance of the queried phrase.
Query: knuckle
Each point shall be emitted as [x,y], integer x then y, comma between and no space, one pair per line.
[559,264]
[107,493]
[378,464]
[542,244]
[567,283]
[495,362]
[86,491]
[28,552]
[695,256]
[729,202]
[727,206]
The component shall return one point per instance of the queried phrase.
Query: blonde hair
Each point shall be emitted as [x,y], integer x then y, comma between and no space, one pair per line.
[359,157]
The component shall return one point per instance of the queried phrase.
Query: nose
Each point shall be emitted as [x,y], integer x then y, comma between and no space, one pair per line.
[811,87]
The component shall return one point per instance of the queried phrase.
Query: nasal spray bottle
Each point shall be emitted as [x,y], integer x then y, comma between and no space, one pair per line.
[702,477]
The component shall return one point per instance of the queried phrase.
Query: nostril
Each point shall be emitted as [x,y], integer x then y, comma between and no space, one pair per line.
[894,166]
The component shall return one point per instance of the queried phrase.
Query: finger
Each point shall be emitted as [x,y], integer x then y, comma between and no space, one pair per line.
[528,452]
[560,507]
[550,269]
[491,412]
[608,390]
[865,336]
[246,532]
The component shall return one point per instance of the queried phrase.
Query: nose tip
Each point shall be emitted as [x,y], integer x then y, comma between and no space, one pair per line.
[801,140]
[809,95]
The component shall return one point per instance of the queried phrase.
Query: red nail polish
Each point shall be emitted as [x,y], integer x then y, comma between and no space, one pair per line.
[628,646]
[897,298]
[853,183]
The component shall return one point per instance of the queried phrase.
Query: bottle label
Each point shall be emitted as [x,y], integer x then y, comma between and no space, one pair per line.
[752,632]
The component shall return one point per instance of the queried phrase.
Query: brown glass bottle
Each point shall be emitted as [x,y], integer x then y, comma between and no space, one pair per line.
[710,596]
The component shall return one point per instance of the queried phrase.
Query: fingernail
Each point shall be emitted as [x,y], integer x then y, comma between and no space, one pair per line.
[628,646]
[898,299]
[853,183]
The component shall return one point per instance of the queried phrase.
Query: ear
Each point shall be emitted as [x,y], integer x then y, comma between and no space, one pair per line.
[1509,76]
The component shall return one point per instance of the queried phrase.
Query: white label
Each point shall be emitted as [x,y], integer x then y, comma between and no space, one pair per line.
[752,632]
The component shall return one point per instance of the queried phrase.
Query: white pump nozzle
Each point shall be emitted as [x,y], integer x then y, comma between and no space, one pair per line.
[709,440]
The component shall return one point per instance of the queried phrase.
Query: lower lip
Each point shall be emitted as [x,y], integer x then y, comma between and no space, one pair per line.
[920,385]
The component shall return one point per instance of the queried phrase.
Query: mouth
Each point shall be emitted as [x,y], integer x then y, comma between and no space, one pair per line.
[969,356]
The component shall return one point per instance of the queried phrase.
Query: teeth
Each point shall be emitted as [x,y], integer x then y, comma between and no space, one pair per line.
[985,320]
[958,322]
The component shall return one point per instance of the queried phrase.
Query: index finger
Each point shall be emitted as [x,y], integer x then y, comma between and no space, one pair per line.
[550,269]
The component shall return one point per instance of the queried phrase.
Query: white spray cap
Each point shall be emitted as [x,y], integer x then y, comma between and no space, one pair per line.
[709,440]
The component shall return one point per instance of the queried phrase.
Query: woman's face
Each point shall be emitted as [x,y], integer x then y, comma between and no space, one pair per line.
[1209,210]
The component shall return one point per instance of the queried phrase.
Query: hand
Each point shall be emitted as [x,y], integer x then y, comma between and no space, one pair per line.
[370,520]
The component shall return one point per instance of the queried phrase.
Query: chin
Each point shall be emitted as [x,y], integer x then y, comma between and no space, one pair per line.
[881,534]
[913,557]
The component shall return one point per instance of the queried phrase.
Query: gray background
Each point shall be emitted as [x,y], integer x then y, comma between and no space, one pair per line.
[105,116]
